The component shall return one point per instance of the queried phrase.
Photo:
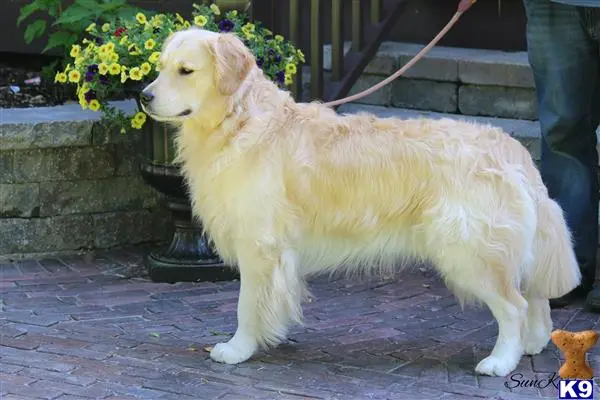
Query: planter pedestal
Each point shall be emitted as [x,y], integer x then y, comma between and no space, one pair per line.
[189,257]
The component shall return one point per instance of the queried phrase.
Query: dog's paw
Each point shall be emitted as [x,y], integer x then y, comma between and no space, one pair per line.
[229,353]
[495,366]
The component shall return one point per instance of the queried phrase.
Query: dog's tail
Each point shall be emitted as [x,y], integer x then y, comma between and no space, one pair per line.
[555,269]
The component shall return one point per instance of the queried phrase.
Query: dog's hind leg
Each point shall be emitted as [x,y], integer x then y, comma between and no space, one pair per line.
[538,326]
[270,298]
[495,288]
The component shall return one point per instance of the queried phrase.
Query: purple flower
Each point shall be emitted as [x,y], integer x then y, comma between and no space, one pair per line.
[99,40]
[260,61]
[90,95]
[277,58]
[225,25]
[104,79]
[271,52]
[280,77]
[93,68]
[89,76]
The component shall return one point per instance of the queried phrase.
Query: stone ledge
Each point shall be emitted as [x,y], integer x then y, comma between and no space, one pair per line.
[60,126]
[450,64]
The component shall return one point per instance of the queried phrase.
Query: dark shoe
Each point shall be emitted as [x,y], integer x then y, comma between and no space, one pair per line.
[573,296]
[577,294]
[592,301]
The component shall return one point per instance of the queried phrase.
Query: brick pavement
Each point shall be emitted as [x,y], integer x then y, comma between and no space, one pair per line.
[97,328]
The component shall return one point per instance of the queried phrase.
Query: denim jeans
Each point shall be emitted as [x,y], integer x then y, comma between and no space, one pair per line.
[564,53]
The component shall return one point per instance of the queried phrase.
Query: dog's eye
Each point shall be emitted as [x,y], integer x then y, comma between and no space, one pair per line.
[185,71]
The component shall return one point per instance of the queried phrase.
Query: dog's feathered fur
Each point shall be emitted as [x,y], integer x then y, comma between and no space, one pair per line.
[286,190]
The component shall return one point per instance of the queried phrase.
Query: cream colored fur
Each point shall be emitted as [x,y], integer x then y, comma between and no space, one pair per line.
[288,190]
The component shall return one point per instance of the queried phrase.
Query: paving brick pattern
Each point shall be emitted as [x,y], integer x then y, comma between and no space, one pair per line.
[98,328]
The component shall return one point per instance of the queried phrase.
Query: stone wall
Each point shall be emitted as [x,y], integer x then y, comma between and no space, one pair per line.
[451,80]
[66,185]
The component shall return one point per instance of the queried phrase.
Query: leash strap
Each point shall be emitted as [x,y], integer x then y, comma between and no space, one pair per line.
[463,6]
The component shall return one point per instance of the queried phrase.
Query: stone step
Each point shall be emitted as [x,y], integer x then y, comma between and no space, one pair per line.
[452,80]
[527,132]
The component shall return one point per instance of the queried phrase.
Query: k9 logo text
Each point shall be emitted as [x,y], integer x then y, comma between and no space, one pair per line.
[576,389]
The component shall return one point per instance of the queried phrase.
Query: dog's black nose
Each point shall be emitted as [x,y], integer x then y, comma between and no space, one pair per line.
[146,98]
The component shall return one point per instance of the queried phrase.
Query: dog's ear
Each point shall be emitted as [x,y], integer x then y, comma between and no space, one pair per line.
[233,62]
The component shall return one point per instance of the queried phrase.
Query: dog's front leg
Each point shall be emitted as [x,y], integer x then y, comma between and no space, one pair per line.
[270,296]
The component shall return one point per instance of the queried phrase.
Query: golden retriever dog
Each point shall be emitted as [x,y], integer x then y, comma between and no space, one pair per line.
[288,190]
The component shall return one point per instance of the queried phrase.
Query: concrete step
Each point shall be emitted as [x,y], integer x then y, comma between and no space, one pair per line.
[475,82]
[527,132]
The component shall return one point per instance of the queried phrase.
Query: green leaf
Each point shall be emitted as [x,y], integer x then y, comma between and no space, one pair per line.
[60,39]
[34,30]
[75,13]
[29,9]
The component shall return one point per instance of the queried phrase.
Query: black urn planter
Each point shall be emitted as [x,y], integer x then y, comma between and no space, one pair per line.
[189,257]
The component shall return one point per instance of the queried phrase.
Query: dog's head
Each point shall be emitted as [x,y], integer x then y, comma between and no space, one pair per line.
[198,67]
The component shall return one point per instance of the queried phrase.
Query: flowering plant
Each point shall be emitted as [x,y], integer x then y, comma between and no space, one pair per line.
[115,61]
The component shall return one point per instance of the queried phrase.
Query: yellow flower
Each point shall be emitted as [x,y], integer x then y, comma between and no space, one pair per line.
[279,38]
[248,30]
[140,117]
[133,50]
[154,57]
[123,131]
[83,103]
[103,51]
[215,9]
[157,66]
[186,24]
[249,27]
[114,69]
[135,74]
[179,18]
[91,27]
[300,55]
[145,68]
[157,20]
[110,47]
[234,13]
[291,69]
[123,40]
[60,77]
[103,69]
[94,105]
[83,90]
[74,76]
[150,44]
[288,79]
[267,32]
[124,76]
[106,27]
[114,57]
[141,18]
[75,50]
[138,120]
[79,61]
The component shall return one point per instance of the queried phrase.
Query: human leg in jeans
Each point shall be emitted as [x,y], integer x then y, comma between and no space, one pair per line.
[563,54]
